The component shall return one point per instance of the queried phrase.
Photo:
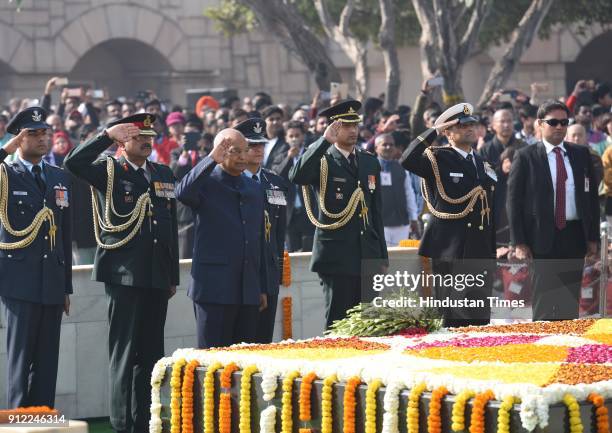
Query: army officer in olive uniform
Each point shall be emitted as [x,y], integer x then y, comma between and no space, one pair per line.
[349,180]
[458,188]
[137,261]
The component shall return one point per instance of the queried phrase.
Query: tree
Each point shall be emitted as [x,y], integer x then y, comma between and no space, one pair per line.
[521,38]
[386,38]
[355,49]
[446,43]
[283,20]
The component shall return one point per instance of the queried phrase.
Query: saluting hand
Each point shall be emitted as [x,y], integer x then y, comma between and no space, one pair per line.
[123,132]
[446,125]
[220,150]
[331,132]
[13,144]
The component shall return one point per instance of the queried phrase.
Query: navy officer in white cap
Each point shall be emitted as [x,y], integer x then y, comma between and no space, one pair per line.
[458,187]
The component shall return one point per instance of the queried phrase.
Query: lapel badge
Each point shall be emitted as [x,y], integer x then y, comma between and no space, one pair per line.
[371,182]
[339,196]
[36,116]
[455,180]
[125,167]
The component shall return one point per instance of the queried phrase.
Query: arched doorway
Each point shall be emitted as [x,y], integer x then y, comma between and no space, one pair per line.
[124,67]
[593,63]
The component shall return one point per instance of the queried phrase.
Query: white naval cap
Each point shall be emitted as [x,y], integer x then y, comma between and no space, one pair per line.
[462,111]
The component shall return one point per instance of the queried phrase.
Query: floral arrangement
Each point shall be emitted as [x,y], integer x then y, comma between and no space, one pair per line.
[526,368]
[287,318]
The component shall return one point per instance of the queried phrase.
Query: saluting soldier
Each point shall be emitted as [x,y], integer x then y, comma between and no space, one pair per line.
[458,188]
[35,260]
[349,227]
[275,220]
[136,259]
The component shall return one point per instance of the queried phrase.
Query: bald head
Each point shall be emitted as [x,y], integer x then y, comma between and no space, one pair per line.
[234,137]
[503,124]
[576,134]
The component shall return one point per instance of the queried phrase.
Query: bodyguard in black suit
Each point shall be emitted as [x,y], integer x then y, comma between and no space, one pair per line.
[300,231]
[137,261]
[553,214]
[275,149]
[458,188]
[275,220]
[35,267]
[343,175]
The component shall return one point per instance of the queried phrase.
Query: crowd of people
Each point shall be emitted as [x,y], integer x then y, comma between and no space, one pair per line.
[234,183]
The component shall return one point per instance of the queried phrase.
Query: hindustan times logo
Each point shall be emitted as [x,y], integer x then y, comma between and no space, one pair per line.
[412,282]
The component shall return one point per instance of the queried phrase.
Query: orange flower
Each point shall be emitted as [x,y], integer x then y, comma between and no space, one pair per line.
[187,397]
[286,269]
[175,395]
[601,413]
[349,404]
[225,404]
[287,318]
[305,396]
[477,421]
[434,421]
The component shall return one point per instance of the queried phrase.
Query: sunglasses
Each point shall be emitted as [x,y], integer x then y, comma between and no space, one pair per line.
[556,122]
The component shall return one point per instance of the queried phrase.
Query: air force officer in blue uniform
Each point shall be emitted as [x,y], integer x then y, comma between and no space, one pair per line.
[228,287]
[275,219]
[36,264]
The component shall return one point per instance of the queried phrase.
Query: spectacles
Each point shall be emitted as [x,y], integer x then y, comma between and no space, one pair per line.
[556,122]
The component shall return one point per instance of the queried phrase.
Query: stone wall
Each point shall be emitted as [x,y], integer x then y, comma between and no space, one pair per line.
[51,38]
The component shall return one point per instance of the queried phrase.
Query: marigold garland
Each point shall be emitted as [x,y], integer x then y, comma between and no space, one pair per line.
[245,399]
[209,397]
[350,404]
[286,269]
[412,414]
[574,413]
[601,413]
[370,411]
[175,395]
[225,402]
[458,417]
[287,406]
[287,318]
[187,397]
[305,400]
[477,420]
[326,404]
[503,414]
[434,420]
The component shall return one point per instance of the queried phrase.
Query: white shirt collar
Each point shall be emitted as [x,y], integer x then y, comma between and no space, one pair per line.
[550,147]
[344,152]
[463,153]
[136,167]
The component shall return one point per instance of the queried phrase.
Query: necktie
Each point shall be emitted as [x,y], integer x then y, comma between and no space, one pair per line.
[470,159]
[560,190]
[352,161]
[38,178]
[141,173]
[256,178]
[194,157]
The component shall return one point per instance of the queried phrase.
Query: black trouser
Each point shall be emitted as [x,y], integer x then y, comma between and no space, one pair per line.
[557,276]
[220,325]
[32,343]
[342,292]
[265,324]
[136,318]
[300,231]
[458,268]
